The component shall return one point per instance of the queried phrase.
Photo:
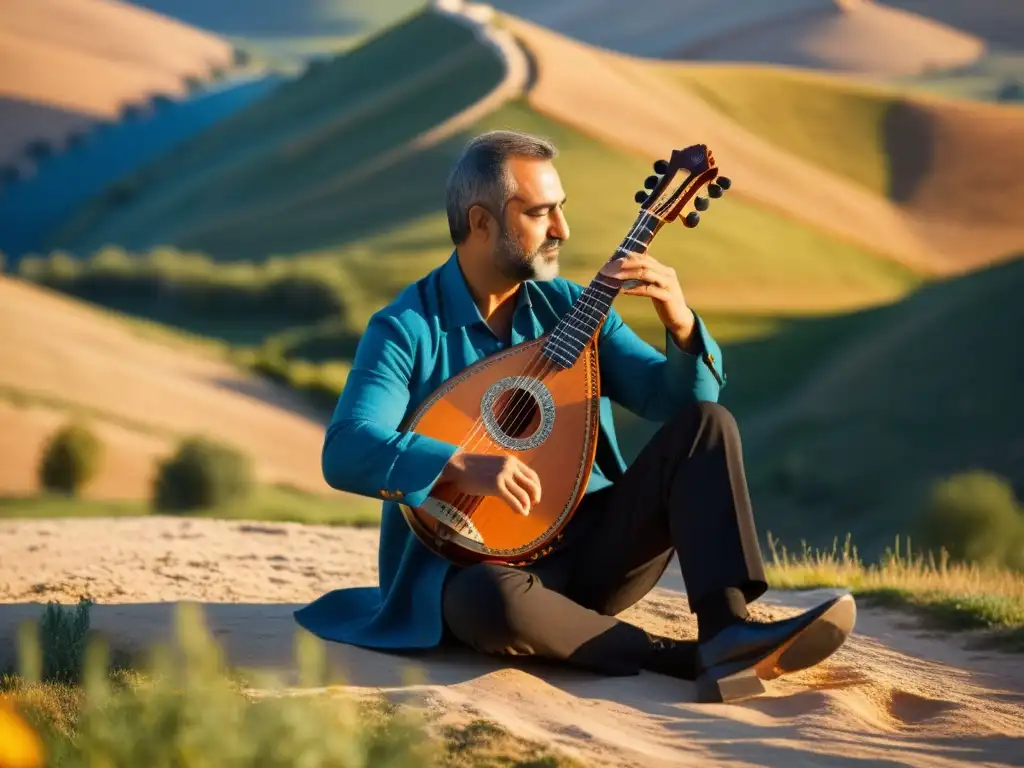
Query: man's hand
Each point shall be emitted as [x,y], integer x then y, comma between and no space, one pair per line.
[661,284]
[483,474]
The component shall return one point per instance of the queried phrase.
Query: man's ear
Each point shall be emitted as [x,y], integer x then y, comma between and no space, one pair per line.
[481,223]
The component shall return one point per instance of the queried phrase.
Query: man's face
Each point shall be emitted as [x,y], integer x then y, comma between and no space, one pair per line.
[535,227]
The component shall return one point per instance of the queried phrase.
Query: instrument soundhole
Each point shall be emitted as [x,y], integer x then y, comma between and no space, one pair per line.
[517,413]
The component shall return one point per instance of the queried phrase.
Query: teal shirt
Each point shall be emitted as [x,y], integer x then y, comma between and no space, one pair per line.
[429,333]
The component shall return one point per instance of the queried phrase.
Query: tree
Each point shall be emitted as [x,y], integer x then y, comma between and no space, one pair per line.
[71,459]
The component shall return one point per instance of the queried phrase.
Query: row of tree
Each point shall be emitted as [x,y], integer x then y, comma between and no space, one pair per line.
[297,292]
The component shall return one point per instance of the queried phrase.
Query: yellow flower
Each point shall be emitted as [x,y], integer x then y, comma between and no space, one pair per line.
[20,747]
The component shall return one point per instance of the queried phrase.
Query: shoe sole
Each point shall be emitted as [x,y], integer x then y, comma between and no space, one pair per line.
[814,643]
[740,679]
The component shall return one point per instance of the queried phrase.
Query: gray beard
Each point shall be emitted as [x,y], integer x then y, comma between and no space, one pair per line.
[516,264]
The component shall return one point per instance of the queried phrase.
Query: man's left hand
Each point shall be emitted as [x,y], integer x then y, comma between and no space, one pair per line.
[661,285]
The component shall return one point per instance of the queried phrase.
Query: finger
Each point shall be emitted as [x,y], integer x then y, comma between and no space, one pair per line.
[643,274]
[529,481]
[519,495]
[651,291]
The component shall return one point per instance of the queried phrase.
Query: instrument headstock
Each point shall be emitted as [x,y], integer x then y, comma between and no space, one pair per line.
[678,180]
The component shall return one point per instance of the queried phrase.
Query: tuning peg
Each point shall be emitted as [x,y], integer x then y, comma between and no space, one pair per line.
[714,190]
[660,166]
[651,182]
[724,182]
[640,196]
[692,219]
[701,203]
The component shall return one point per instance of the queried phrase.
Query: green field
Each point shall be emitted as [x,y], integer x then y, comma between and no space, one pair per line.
[836,123]
[906,395]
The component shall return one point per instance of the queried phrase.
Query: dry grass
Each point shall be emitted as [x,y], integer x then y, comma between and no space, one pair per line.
[952,595]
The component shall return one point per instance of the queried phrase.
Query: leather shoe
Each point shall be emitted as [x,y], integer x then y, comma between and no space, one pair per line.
[732,664]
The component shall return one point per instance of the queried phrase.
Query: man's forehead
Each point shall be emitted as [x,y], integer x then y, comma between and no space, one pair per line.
[536,180]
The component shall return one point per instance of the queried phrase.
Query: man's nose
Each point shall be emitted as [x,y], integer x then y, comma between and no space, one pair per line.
[559,227]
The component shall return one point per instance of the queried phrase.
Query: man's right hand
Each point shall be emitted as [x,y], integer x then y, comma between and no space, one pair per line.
[484,474]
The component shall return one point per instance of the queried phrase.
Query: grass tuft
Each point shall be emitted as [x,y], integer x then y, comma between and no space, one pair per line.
[950,595]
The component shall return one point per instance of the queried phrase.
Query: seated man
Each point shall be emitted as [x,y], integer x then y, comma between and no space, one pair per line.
[685,494]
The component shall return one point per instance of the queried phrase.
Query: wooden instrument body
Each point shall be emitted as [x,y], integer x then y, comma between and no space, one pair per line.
[556,435]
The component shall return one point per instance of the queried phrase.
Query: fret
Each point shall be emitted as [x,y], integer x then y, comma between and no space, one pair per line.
[575,330]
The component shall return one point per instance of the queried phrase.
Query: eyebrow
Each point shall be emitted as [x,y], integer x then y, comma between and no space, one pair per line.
[539,206]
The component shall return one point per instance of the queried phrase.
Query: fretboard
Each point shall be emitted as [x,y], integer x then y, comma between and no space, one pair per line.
[575,330]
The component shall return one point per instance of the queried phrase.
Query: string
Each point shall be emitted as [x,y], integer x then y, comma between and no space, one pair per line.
[586,301]
[570,321]
[522,398]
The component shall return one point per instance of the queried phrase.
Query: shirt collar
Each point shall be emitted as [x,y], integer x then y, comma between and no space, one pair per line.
[459,309]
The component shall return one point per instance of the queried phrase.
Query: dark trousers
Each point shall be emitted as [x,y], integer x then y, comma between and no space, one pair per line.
[686,493]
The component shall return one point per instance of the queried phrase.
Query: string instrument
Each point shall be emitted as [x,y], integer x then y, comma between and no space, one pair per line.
[540,399]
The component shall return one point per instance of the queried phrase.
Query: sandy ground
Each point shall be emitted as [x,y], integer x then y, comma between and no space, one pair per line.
[641,108]
[66,62]
[895,695]
[144,395]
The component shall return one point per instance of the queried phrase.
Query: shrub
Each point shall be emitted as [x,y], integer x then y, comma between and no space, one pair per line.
[200,475]
[189,710]
[70,460]
[976,518]
[61,638]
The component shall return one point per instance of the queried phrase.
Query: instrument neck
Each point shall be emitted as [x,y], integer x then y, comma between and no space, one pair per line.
[581,323]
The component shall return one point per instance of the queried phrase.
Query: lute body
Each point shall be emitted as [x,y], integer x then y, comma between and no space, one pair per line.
[541,401]
[508,403]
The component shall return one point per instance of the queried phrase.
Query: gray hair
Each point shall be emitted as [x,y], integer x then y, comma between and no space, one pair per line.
[480,175]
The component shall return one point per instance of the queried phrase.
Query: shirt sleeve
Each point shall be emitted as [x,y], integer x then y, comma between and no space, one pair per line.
[363,451]
[652,384]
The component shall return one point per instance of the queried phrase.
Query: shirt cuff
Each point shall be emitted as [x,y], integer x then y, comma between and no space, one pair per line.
[421,460]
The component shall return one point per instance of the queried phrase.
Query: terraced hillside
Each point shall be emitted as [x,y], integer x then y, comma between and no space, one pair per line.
[293,28]
[67,63]
[320,142]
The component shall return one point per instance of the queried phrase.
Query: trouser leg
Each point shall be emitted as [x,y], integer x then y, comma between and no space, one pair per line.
[510,611]
[686,492]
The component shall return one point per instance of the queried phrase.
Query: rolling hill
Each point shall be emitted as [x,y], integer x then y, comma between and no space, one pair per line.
[315,178]
[908,395]
[61,357]
[922,139]
[852,36]
[999,22]
[65,64]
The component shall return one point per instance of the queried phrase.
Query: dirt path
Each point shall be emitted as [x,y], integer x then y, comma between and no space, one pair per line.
[894,695]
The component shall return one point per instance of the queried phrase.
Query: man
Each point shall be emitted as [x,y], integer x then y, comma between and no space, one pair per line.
[685,494]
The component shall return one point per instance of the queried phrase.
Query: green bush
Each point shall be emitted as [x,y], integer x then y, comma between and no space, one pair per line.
[200,475]
[976,518]
[188,709]
[70,460]
[56,651]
